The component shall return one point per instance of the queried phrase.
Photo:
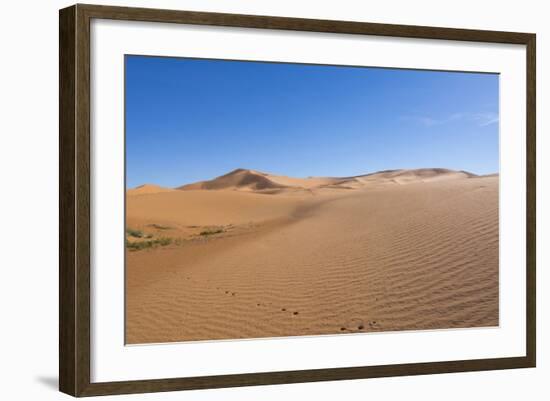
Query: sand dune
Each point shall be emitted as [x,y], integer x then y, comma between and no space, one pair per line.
[148,189]
[196,207]
[236,179]
[400,177]
[252,180]
[394,250]
[416,175]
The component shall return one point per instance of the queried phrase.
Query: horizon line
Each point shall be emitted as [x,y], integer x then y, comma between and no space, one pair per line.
[239,169]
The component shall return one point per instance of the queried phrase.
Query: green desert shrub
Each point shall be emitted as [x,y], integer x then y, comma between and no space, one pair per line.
[139,245]
[134,233]
[160,227]
[211,232]
[163,241]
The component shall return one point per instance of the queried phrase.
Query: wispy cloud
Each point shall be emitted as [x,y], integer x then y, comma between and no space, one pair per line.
[479,119]
[484,119]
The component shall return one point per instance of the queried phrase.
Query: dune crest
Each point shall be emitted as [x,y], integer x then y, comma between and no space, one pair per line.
[404,176]
[148,189]
[257,181]
[241,179]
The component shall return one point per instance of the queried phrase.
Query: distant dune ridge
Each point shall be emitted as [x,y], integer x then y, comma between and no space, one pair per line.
[148,189]
[237,179]
[251,254]
[252,180]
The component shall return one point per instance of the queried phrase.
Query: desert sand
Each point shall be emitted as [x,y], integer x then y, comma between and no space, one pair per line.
[251,254]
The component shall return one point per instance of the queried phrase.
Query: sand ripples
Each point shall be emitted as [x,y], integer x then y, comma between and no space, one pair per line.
[420,256]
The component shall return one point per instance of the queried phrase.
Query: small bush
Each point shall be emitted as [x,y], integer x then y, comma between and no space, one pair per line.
[163,241]
[134,233]
[211,232]
[160,227]
[139,245]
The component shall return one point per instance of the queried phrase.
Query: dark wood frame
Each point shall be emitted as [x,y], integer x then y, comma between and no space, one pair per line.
[74,199]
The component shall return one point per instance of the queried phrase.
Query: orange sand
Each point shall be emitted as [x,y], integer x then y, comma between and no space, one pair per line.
[258,255]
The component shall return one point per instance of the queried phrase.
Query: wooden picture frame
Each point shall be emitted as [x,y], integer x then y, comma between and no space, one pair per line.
[74,203]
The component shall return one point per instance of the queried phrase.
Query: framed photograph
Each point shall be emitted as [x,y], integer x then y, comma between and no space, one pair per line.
[250,200]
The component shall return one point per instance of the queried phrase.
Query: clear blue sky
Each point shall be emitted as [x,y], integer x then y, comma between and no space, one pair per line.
[189,120]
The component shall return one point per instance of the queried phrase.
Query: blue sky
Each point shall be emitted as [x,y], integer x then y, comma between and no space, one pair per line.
[189,120]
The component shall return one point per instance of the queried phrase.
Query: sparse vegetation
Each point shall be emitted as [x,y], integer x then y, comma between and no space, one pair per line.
[152,243]
[160,227]
[211,231]
[134,233]
[179,241]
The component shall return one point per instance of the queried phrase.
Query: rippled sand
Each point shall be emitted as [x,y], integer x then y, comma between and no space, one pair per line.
[406,251]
